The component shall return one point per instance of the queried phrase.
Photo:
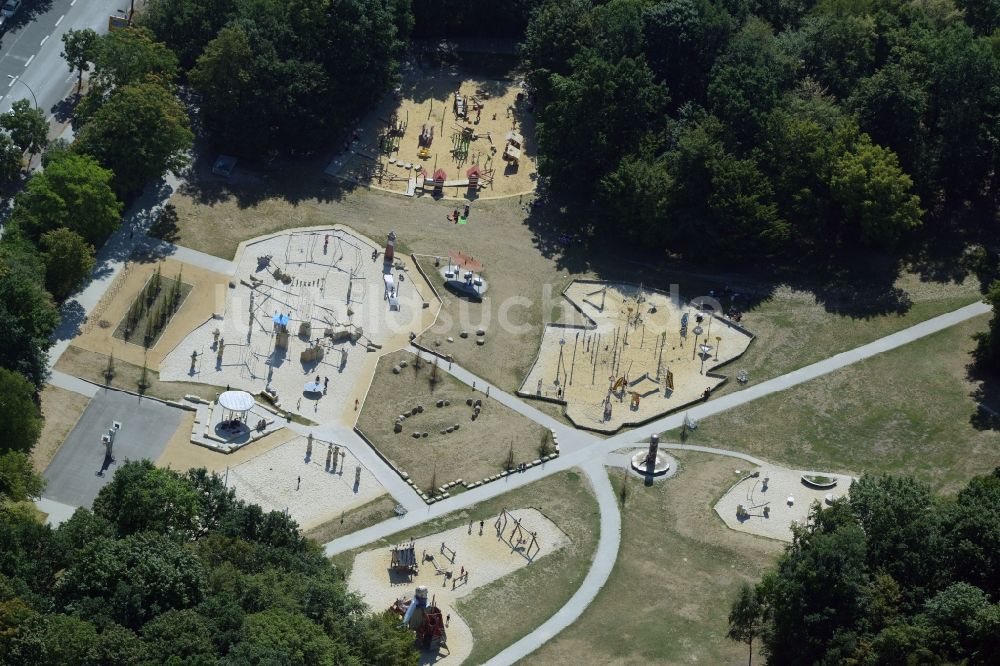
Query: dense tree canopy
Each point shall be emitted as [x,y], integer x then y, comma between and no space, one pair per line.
[74,191]
[892,575]
[792,130]
[27,126]
[69,258]
[140,132]
[278,75]
[223,583]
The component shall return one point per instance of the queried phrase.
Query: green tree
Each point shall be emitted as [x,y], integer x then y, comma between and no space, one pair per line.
[900,518]
[959,617]
[683,39]
[131,55]
[817,597]
[118,646]
[746,618]
[971,526]
[748,79]
[132,580]
[78,50]
[836,50]
[187,25]
[874,194]
[18,412]
[141,497]
[892,107]
[987,352]
[601,101]
[27,126]
[180,636]
[552,39]
[139,133]
[74,192]
[225,77]
[11,159]
[68,261]
[982,15]
[18,481]
[52,640]
[281,636]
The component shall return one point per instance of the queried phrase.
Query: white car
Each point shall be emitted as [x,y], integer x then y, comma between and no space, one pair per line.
[10,8]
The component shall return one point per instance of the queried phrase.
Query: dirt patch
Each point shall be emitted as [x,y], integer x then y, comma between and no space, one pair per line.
[678,568]
[479,448]
[91,366]
[61,410]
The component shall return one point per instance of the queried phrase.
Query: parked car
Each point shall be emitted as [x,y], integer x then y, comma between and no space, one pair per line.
[10,8]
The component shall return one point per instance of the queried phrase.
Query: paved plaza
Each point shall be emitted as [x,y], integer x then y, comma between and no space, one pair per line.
[80,468]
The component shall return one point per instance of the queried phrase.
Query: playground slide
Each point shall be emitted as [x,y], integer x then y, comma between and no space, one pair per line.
[409,613]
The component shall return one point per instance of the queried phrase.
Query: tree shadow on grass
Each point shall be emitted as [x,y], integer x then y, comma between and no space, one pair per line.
[294,179]
[987,398]
[860,286]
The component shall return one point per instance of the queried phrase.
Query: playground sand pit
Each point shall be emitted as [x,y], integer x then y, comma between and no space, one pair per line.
[783,484]
[630,362]
[486,558]
[388,139]
[305,307]
[286,478]
[205,297]
[480,446]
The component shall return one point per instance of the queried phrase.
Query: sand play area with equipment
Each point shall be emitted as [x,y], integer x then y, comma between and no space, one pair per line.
[642,353]
[314,482]
[768,500]
[304,319]
[447,133]
[452,564]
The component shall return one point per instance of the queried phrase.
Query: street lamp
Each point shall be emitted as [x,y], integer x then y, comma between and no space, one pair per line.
[15,79]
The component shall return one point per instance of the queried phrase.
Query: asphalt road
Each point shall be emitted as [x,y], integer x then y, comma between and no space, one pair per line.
[31,45]
[73,475]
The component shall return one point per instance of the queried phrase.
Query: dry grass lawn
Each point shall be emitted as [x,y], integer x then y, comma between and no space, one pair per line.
[476,450]
[906,411]
[358,518]
[61,410]
[678,569]
[90,366]
[503,611]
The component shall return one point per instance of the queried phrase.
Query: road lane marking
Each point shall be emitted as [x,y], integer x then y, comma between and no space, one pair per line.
[29,60]
[59,20]
[44,40]
[72,3]
[12,82]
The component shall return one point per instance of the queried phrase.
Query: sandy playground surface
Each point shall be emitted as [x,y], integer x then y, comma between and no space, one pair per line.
[782,484]
[271,480]
[486,558]
[628,347]
[427,103]
[325,282]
